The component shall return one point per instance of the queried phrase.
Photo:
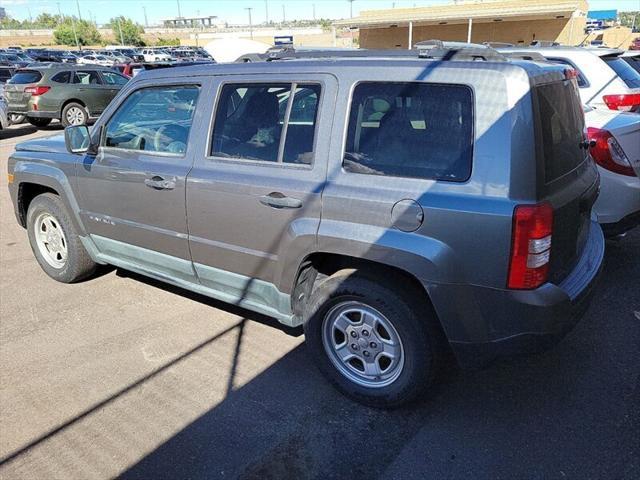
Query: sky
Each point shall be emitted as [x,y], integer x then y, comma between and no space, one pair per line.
[231,11]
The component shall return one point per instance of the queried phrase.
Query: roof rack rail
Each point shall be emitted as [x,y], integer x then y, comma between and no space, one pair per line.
[531,56]
[458,51]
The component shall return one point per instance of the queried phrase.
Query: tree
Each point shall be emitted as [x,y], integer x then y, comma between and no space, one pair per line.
[86,32]
[126,31]
[46,20]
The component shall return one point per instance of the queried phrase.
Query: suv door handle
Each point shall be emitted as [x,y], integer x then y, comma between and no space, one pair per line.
[158,183]
[279,200]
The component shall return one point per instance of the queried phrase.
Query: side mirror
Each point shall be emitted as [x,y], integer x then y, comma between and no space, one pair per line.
[77,139]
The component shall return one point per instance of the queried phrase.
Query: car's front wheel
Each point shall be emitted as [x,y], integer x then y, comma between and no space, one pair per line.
[74,114]
[39,122]
[55,241]
[377,343]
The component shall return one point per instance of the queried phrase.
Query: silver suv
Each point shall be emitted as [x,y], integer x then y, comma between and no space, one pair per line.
[394,207]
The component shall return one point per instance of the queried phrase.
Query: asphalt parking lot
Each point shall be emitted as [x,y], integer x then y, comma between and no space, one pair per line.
[123,376]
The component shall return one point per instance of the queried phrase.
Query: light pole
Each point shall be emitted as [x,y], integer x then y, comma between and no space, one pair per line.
[75,34]
[146,22]
[284,18]
[179,14]
[248,9]
[120,29]
[79,14]
[266,11]
[351,8]
[314,11]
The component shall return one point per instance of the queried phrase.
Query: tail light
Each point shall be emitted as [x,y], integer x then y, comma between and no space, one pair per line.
[37,91]
[626,102]
[608,153]
[531,246]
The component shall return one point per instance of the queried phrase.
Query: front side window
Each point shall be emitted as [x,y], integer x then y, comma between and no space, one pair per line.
[112,78]
[156,119]
[264,122]
[415,130]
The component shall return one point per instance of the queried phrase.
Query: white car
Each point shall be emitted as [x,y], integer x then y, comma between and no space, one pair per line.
[615,146]
[151,55]
[96,60]
[606,81]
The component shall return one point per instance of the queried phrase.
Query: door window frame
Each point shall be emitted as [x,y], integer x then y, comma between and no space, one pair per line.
[275,80]
[143,153]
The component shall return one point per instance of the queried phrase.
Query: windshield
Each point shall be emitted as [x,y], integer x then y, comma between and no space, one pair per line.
[624,71]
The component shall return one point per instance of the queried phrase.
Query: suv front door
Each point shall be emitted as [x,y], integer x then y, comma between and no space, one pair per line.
[133,191]
[254,197]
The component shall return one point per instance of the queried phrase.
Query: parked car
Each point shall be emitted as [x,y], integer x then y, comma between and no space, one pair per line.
[57,56]
[604,78]
[129,69]
[12,60]
[5,74]
[69,93]
[134,55]
[4,115]
[115,56]
[151,55]
[96,60]
[615,138]
[392,207]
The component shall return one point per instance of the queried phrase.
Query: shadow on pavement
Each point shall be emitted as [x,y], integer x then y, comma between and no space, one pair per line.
[569,413]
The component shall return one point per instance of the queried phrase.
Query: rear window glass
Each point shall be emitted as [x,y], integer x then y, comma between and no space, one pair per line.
[624,71]
[560,127]
[5,74]
[25,76]
[416,130]
[62,77]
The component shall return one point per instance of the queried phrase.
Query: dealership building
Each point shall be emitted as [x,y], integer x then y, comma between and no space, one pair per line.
[509,21]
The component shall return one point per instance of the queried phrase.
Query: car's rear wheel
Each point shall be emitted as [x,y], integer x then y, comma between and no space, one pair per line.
[74,114]
[39,122]
[55,241]
[376,343]
[15,118]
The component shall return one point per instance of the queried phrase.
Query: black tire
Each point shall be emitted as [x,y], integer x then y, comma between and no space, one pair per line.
[408,312]
[78,264]
[39,122]
[78,109]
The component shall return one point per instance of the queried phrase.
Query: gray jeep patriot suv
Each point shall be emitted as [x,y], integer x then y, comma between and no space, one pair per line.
[394,207]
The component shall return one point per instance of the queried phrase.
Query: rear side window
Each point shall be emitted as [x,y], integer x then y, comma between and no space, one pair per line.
[267,122]
[25,76]
[582,82]
[415,130]
[624,71]
[155,119]
[62,77]
[561,128]
[634,62]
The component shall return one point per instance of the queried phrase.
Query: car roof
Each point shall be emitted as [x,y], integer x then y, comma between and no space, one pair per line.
[336,65]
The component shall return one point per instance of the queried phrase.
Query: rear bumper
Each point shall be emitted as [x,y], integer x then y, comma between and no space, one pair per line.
[483,324]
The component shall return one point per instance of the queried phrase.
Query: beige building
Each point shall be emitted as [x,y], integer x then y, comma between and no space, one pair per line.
[510,21]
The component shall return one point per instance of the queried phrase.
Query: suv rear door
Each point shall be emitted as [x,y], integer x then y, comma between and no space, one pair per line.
[254,196]
[567,177]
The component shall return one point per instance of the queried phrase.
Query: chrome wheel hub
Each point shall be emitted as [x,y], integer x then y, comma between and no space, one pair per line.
[50,240]
[363,344]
